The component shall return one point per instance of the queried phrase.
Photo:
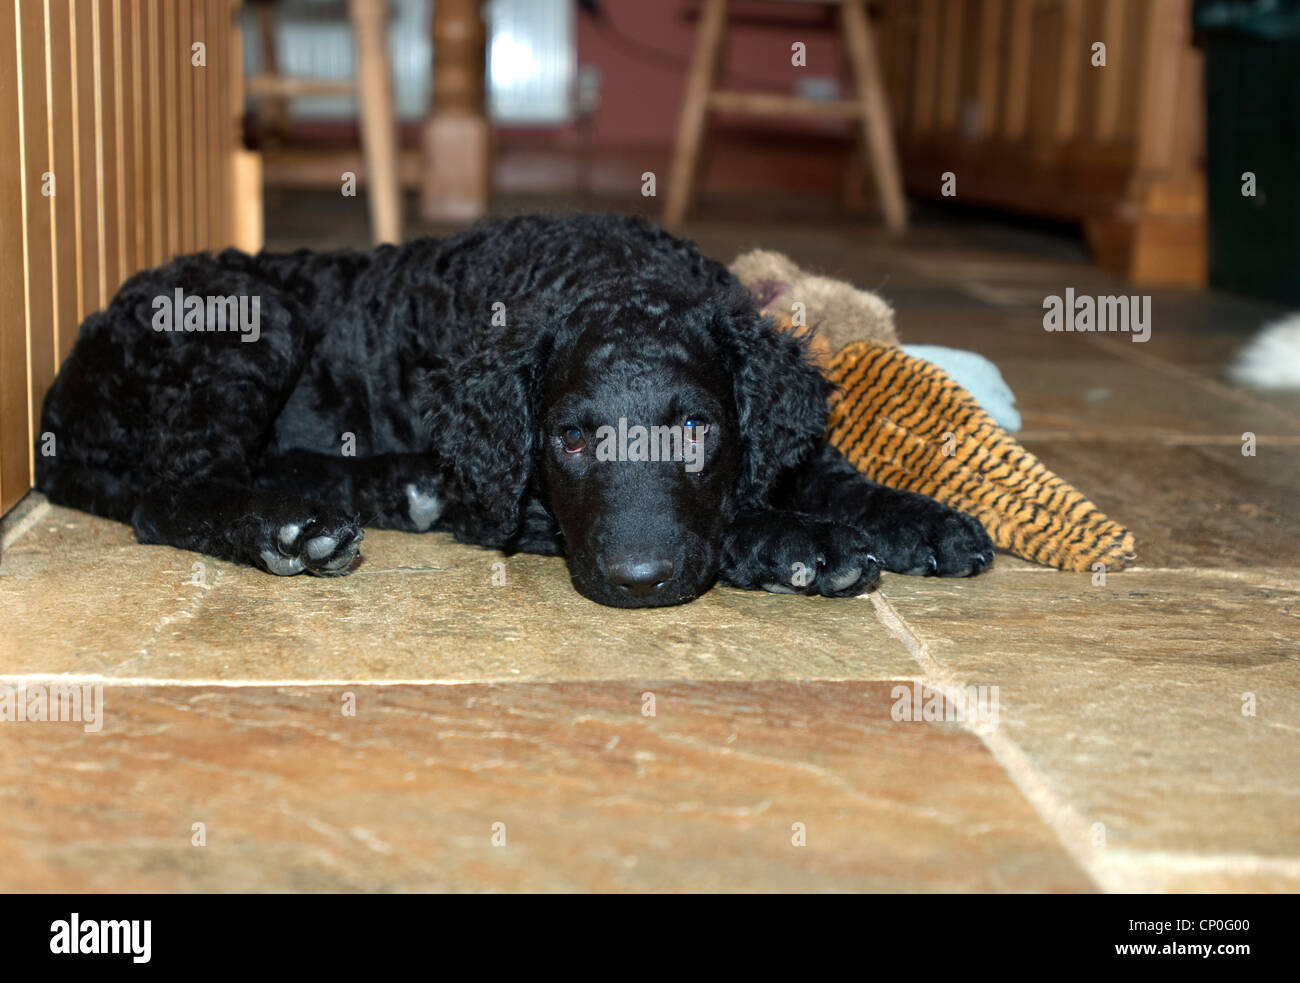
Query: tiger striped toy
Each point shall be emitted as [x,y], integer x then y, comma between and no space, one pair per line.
[905,423]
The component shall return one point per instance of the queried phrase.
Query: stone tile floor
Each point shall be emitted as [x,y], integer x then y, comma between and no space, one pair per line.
[417,726]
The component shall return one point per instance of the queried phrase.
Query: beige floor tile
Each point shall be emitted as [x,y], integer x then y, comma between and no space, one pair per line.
[77,597]
[593,795]
[1191,505]
[1127,699]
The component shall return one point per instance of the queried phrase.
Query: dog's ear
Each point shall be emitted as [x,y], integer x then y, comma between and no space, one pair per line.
[484,430]
[780,398]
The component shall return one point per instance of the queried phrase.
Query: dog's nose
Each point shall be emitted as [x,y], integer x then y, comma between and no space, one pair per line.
[640,577]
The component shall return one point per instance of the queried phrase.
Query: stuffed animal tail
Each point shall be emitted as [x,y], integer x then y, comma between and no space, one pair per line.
[905,423]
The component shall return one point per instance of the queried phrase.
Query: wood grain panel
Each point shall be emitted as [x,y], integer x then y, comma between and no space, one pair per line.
[117,156]
[38,216]
[15,435]
[1015,106]
[989,66]
[167,68]
[215,190]
[185,113]
[156,183]
[927,67]
[90,235]
[63,155]
[127,130]
[950,64]
[198,110]
[112,194]
[138,209]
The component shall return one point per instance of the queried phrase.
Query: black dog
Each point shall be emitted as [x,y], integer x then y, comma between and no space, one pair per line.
[590,386]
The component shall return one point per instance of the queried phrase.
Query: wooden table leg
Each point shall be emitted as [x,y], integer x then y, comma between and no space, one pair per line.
[876,125]
[709,36]
[378,118]
[456,135]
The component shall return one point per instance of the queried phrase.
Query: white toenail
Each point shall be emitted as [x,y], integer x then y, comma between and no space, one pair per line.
[284,566]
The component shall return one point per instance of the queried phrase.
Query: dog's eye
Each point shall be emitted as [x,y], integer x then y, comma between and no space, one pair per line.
[695,429]
[573,440]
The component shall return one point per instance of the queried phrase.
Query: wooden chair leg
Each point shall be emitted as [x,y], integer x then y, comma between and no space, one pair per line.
[273,109]
[457,137]
[378,119]
[709,36]
[877,130]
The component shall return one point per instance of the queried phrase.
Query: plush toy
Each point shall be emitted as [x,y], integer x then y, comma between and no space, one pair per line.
[906,423]
[845,314]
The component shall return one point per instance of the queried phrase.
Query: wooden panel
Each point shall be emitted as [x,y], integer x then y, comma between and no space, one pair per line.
[127,131]
[63,154]
[133,49]
[167,69]
[1015,105]
[38,224]
[213,192]
[989,65]
[15,436]
[1044,79]
[86,122]
[1159,100]
[950,63]
[154,133]
[1073,64]
[185,110]
[113,194]
[927,67]
[119,155]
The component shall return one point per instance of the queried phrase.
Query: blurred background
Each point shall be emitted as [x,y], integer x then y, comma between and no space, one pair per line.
[1157,141]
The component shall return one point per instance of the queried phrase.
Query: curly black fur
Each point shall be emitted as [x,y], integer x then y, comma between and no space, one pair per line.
[446,384]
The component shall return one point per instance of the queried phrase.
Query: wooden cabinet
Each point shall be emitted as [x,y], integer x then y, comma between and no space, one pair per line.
[1009,96]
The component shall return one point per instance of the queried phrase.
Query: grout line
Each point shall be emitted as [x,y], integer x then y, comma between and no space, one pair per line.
[1070,828]
[125,682]
[1150,871]
[144,682]
[19,528]
[1147,437]
[1281,578]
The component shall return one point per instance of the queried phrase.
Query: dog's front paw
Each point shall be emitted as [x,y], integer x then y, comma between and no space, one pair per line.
[324,543]
[932,540]
[792,553]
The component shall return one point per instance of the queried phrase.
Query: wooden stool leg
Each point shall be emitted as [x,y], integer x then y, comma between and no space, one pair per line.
[871,94]
[709,36]
[378,120]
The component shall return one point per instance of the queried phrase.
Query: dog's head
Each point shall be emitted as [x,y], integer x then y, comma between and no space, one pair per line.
[646,423]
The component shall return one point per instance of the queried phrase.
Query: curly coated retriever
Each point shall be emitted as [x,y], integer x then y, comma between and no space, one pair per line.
[584,385]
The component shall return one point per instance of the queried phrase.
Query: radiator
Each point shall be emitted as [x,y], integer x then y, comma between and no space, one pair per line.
[532,57]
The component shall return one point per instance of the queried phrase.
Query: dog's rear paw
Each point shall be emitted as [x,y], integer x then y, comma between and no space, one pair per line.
[326,545]
[789,553]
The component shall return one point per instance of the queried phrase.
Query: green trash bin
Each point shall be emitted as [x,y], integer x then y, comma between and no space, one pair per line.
[1252,87]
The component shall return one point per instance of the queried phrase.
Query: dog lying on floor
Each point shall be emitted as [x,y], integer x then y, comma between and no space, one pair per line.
[585,385]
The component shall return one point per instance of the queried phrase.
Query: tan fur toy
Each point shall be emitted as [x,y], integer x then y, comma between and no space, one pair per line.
[905,423]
